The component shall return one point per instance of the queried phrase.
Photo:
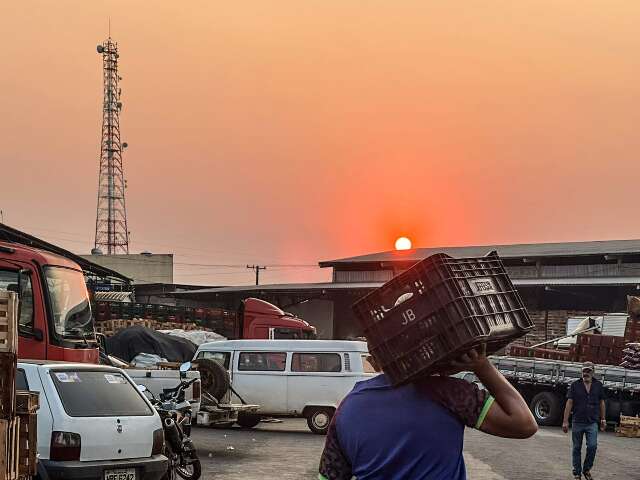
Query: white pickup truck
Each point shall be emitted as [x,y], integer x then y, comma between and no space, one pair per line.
[157,381]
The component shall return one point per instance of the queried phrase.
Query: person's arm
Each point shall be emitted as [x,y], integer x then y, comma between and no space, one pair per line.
[508,416]
[334,464]
[567,411]
[603,415]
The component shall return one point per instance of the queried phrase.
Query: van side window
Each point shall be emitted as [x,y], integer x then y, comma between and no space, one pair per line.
[316,362]
[21,380]
[262,361]
[9,282]
[223,358]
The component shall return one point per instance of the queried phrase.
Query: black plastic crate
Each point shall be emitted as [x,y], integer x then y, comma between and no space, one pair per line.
[420,320]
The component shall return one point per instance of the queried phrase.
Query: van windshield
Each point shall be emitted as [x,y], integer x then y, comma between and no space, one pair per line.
[98,394]
[69,302]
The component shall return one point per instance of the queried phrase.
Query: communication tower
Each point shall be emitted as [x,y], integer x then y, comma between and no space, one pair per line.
[112,235]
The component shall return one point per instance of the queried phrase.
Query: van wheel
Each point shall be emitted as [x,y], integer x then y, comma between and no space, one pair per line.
[546,408]
[248,420]
[319,420]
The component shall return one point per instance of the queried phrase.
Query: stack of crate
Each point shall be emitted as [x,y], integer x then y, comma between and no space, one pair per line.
[27,404]
[111,327]
[632,330]
[629,427]
[602,349]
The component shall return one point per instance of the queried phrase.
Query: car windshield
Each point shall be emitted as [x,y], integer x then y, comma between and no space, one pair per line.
[69,302]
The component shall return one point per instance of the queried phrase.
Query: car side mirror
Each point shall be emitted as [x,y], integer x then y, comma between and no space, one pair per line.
[38,334]
[141,388]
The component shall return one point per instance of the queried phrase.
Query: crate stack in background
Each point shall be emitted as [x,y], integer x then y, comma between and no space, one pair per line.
[422,319]
[111,327]
[602,349]
[112,317]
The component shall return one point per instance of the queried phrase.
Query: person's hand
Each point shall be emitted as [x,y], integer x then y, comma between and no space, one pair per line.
[565,427]
[473,360]
[603,425]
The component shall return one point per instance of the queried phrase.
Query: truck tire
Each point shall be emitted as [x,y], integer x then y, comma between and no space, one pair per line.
[546,408]
[629,408]
[248,420]
[613,410]
[319,419]
[214,378]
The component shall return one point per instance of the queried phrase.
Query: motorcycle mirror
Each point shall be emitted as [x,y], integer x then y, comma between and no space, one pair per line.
[185,367]
[142,388]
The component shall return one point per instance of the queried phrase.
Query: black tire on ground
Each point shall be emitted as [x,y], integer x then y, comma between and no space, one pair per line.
[546,408]
[613,410]
[319,420]
[629,408]
[214,378]
[248,420]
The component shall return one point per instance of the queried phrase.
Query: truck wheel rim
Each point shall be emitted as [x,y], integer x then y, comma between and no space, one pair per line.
[321,420]
[542,409]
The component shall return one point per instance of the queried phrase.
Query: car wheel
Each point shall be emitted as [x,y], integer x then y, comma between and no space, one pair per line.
[546,408]
[319,420]
[248,420]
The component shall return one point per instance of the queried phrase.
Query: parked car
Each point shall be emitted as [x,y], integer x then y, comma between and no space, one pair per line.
[304,378]
[93,423]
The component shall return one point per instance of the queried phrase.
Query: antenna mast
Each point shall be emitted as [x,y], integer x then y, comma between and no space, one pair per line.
[112,235]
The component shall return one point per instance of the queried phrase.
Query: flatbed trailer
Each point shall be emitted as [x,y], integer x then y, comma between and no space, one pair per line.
[544,383]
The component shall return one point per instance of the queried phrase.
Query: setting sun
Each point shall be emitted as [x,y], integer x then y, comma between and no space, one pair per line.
[403,243]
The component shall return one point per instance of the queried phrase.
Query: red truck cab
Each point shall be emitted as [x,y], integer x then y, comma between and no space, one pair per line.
[55,320]
[260,319]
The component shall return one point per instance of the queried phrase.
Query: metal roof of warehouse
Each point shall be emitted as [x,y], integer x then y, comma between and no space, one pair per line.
[300,287]
[531,250]
[281,287]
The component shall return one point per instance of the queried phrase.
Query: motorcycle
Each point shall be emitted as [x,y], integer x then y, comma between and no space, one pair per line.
[175,413]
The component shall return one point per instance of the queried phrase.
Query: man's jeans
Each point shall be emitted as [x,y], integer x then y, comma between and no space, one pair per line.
[589,430]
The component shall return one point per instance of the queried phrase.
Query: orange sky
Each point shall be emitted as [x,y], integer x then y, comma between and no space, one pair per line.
[289,131]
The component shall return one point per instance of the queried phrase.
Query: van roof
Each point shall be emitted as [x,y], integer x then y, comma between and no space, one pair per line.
[288,345]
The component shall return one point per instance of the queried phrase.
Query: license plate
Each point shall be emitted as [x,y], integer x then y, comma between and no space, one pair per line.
[121,474]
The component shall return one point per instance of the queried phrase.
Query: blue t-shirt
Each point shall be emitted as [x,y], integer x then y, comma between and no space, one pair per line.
[413,431]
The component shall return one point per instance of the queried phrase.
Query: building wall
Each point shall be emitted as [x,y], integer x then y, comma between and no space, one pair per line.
[154,268]
[318,313]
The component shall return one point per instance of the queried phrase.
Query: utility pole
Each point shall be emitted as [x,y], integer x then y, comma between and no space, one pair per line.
[257,268]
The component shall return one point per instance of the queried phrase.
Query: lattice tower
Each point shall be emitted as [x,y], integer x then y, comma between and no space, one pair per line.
[112,235]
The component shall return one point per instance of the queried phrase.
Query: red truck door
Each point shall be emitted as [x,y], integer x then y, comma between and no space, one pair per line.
[31,323]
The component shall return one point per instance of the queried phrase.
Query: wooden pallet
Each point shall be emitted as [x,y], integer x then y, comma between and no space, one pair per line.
[9,448]
[629,427]
[28,445]
[27,402]
[8,322]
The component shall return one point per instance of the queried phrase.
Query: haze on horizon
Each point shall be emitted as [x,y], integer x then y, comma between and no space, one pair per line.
[291,132]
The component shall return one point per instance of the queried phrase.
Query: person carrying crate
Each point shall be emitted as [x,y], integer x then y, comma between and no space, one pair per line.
[415,431]
[586,402]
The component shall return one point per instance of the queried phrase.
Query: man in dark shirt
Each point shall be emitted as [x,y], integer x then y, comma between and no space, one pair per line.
[585,400]
[415,431]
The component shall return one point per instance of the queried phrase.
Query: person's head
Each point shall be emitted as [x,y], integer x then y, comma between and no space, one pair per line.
[588,370]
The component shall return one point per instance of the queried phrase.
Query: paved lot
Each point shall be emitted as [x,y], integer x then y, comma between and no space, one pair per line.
[288,451]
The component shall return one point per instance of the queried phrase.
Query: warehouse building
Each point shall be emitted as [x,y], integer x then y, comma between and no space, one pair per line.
[556,281]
